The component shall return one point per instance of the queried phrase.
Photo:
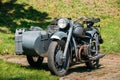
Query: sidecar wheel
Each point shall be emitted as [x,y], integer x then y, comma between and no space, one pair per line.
[92,64]
[35,61]
[56,64]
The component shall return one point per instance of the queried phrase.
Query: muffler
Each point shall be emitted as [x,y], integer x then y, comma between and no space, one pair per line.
[97,57]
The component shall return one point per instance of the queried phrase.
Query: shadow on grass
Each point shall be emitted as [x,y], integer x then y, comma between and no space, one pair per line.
[44,66]
[72,69]
[14,78]
[14,15]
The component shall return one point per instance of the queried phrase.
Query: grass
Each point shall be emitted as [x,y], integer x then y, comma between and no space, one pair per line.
[25,13]
[7,44]
[110,33]
[12,71]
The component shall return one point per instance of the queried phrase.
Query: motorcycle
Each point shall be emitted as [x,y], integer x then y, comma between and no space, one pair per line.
[74,43]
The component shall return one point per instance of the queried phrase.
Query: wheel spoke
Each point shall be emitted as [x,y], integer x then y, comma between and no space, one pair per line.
[55,62]
[59,52]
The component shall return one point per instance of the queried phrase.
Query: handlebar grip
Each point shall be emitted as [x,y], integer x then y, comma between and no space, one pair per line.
[96,20]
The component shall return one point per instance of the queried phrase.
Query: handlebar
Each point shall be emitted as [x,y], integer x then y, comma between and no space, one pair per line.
[80,18]
[93,20]
[87,19]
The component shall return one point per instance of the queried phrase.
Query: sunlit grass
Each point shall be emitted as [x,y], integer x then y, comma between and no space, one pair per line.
[26,13]
[110,33]
[7,44]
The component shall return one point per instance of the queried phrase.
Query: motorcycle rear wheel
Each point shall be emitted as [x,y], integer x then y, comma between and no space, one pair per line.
[92,64]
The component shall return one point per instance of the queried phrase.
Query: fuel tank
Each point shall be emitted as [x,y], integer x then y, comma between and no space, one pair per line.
[78,30]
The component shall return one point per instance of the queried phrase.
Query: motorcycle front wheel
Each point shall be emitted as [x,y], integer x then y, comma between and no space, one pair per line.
[56,64]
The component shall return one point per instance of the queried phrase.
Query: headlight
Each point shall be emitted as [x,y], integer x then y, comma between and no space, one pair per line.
[62,23]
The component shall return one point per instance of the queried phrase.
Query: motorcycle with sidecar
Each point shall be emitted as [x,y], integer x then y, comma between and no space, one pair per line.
[65,42]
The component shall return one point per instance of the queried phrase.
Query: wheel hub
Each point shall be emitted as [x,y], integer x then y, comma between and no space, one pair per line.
[58,57]
[35,58]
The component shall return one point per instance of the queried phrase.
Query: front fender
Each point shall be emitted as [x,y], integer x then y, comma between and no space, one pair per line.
[59,35]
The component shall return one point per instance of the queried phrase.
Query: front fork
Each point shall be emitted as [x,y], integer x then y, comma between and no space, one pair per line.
[67,42]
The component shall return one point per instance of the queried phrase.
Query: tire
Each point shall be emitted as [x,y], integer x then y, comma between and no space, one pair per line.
[56,65]
[92,64]
[33,62]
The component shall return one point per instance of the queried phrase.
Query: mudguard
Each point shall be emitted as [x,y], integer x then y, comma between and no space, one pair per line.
[59,35]
[92,32]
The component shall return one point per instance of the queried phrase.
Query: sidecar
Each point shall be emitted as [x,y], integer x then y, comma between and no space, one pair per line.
[33,43]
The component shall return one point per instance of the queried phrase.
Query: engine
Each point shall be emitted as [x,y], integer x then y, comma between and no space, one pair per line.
[84,52]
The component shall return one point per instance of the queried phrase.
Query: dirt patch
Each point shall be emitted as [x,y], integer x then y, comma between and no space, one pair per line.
[15,59]
[20,59]
[109,69]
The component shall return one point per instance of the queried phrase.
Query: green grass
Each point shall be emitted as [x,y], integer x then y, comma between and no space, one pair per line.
[111,36]
[25,13]
[11,71]
[7,44]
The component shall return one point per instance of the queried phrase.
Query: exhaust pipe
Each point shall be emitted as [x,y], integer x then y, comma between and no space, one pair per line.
[97,57]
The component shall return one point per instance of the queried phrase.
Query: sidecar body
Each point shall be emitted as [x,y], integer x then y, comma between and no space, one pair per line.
[34,42]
